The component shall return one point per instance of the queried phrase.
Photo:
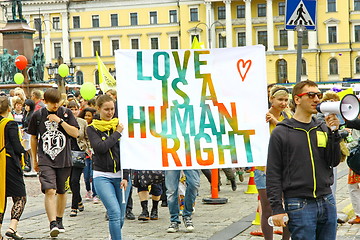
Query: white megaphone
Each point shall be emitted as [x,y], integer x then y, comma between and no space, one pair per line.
[348,107]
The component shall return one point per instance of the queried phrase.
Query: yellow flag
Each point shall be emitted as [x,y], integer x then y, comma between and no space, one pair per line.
[345,92]
[195,44]
[105,79]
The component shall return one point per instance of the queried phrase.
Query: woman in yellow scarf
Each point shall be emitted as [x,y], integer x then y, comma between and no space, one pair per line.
[11,175]
[109,179]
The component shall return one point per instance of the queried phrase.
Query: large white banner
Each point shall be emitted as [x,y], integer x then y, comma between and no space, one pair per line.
[192,109]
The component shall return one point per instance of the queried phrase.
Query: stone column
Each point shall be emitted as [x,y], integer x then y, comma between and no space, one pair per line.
[270,25]
[65,50]
[47,46]
[229,30]
[312,39]
[291,41]
[248,24]
[209,21]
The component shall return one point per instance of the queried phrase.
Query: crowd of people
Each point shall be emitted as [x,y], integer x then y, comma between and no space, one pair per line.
[60,137]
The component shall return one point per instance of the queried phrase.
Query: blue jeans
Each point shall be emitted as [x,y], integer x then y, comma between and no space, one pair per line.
[172,178]
[111,196]
[88,176]
[312,219]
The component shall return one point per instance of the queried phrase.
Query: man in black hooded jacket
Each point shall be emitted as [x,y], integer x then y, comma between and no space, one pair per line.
[302,153]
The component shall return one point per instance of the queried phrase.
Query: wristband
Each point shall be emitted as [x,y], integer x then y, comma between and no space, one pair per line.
[61,121]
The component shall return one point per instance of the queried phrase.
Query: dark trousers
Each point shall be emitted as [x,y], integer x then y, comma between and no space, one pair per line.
[75,186]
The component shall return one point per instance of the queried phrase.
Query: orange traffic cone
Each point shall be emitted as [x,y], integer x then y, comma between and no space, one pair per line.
[251,185]
[257,216]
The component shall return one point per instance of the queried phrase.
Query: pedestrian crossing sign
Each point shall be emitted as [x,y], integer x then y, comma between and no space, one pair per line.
[300,12]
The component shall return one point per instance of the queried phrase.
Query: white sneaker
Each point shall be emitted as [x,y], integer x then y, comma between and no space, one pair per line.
[96,200]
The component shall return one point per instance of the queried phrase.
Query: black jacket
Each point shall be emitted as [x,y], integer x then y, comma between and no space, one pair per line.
[300,161]
[106,146]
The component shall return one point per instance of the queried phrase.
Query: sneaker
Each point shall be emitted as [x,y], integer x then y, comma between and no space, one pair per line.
[164,204]
[129,215]
[88,196]
[144,216]
[355,220]
[154,214]
[60,226]
[31,174]
[188,224]
[96,200]
[54,230]
[173,228]
[81,206]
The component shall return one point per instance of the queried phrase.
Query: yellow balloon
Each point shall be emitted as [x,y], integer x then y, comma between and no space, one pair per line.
[63,70]
[88,90]
[19,78]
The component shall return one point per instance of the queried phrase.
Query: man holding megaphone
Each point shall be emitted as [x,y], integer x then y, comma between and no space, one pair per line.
[302,153]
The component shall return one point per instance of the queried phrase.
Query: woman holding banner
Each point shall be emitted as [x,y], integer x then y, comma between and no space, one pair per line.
[279,97]
[11,175]
[109,179]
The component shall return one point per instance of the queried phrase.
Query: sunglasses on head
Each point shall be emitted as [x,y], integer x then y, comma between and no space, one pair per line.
[311,95]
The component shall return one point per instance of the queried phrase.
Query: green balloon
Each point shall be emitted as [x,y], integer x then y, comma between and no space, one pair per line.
[88,90]
[63,70]
[19,78]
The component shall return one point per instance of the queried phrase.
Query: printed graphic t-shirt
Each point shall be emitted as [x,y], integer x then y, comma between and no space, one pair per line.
[54,146]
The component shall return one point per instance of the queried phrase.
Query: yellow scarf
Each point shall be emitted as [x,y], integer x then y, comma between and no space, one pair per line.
[103,125]
[3,123]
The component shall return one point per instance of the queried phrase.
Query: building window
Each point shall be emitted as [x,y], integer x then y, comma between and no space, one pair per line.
[221,12]
[174,42]
[56,23]
[331,4]
[240,11]
[95,21]
[96,48]
[281,8]
[77,49]
[262,38]
[194,15]
[80,77]
[333,66]
[283,38]
[262,10]
[97,82]
[282,71]
[76,21]
[357,33]
[57,50]
[173,16]
[222,41]
[153,17]
[357,65]
[134,43]
[193,36]
[114,20]
[305,39]
[241,36]
[356,5]
[133,19]
[115,44]
[332,34]
[303,67]
[37,22]
[154,43]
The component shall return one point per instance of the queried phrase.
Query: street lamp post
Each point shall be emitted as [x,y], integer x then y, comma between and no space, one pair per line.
[209,30]
[54,71]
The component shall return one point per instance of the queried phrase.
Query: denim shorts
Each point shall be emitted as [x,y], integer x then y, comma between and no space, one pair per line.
[260,179]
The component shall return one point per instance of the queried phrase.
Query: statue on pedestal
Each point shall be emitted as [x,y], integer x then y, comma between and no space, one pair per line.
[19,8]
[5,66]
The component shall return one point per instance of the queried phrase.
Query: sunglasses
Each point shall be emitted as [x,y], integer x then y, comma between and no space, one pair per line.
[311,95]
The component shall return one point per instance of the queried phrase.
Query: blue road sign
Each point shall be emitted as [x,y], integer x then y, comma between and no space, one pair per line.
[300,12]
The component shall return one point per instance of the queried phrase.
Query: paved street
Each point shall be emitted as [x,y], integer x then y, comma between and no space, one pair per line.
[215,222]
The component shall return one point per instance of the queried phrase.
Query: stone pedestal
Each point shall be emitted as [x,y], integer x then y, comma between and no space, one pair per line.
[17,35]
